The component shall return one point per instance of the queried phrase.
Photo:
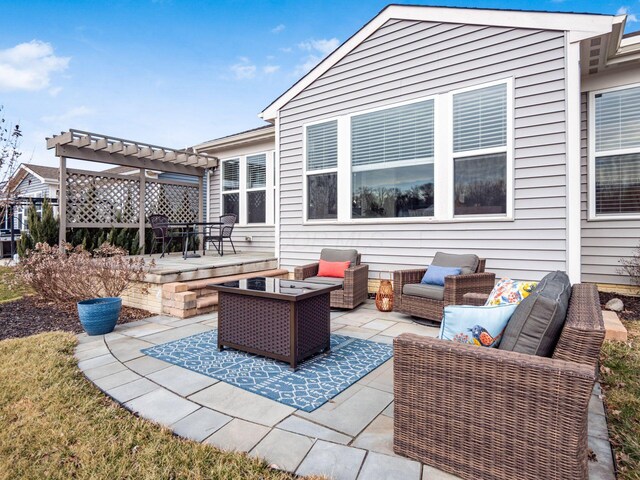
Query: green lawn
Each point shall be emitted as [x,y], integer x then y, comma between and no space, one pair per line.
[621,383]
[54,424]
[10,287]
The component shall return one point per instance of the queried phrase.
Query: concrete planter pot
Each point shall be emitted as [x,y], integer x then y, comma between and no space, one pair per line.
[99,315]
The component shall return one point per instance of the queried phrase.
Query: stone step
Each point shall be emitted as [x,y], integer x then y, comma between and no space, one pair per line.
[207,301]
[614,329]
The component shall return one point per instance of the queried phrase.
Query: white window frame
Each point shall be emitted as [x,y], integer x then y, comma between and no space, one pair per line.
[592,154]
[306,173]
[344,163]
[243,190]
[264,189]
[443,171]
[224,192]
[508,149]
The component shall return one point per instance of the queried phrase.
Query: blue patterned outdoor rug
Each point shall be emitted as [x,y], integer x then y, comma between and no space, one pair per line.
[316,380]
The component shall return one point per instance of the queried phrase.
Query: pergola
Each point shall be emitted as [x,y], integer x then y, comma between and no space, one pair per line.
[102,200]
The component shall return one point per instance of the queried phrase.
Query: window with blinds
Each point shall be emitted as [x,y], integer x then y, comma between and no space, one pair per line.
[480,118]
[392,162]
[322,170]
[480,151]
[231,174]
[617,120]
[617,152]
[322,146]
[256,195]
[386,137]
[257,171]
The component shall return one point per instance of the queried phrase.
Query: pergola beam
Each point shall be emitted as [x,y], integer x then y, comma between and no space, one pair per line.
[103,156]
[87,143]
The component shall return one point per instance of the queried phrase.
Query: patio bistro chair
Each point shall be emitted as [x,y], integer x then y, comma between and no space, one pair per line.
[355,285]
[218,234]
[478,412]
[162,233]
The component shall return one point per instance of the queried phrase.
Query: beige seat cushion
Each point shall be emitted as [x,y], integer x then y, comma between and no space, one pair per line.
[326,280]
[433,292]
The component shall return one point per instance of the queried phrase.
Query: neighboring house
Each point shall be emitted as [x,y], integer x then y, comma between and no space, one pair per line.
[244,184]
[511,134]
[35,181]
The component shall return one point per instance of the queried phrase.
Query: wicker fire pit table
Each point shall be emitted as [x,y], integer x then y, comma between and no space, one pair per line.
[281,319]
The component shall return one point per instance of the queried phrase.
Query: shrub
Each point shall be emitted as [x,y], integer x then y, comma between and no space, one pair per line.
[41,228]
[74,274]
[631,266]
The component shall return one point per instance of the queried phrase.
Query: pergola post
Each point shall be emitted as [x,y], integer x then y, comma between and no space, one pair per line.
[62,203]
[142,213]
[200,199]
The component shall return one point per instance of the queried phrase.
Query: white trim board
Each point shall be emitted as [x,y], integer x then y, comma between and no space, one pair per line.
[579,26]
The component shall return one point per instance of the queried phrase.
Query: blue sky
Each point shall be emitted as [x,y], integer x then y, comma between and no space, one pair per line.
[176,73]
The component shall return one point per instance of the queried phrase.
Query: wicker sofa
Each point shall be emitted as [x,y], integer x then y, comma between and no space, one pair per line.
[355,285]
[495,414]
[455,286]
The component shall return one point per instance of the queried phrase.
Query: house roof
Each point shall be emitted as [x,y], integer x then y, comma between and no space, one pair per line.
[579,25]
[265,132]
[121,169]
[44,172]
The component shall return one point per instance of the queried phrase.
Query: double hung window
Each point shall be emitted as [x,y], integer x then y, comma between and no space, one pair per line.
[480,151]
[616,152]
[392,162]
[322,170]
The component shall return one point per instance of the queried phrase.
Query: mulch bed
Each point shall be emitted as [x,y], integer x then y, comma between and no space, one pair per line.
[29,316]
[631,305]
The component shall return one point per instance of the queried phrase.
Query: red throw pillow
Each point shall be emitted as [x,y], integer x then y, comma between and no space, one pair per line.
[332,269]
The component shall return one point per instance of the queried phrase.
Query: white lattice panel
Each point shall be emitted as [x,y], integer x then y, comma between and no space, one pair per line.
[178,202]
[100,200]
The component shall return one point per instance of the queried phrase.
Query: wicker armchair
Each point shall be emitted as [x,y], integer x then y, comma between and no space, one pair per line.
[494,414]
[355,289]
[455,286]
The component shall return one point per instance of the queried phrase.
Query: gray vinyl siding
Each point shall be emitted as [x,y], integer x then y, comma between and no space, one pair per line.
[604,242]
[262,236]
[31,186]
[407,60]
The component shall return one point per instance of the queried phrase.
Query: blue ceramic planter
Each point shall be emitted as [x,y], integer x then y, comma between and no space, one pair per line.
[99,315]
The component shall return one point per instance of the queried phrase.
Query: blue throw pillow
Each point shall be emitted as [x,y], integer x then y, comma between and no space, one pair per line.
[482,326]
[435,274]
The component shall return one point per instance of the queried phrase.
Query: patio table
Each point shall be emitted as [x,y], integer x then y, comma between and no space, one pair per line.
[187,234]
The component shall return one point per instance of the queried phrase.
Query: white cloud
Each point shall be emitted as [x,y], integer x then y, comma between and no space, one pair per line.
[29,66]
[318,50]
[286,49]
[269,69]
[308,63]
[625,11]
[323,46]
[278,28]
[69,115]
[244,69]
[54,91]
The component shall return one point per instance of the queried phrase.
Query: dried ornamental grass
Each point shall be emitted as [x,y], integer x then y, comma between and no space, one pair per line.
[73,274]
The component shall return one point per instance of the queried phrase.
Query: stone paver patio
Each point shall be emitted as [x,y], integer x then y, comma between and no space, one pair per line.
[349,437]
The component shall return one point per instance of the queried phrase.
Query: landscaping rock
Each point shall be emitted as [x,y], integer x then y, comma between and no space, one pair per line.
[615,305]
